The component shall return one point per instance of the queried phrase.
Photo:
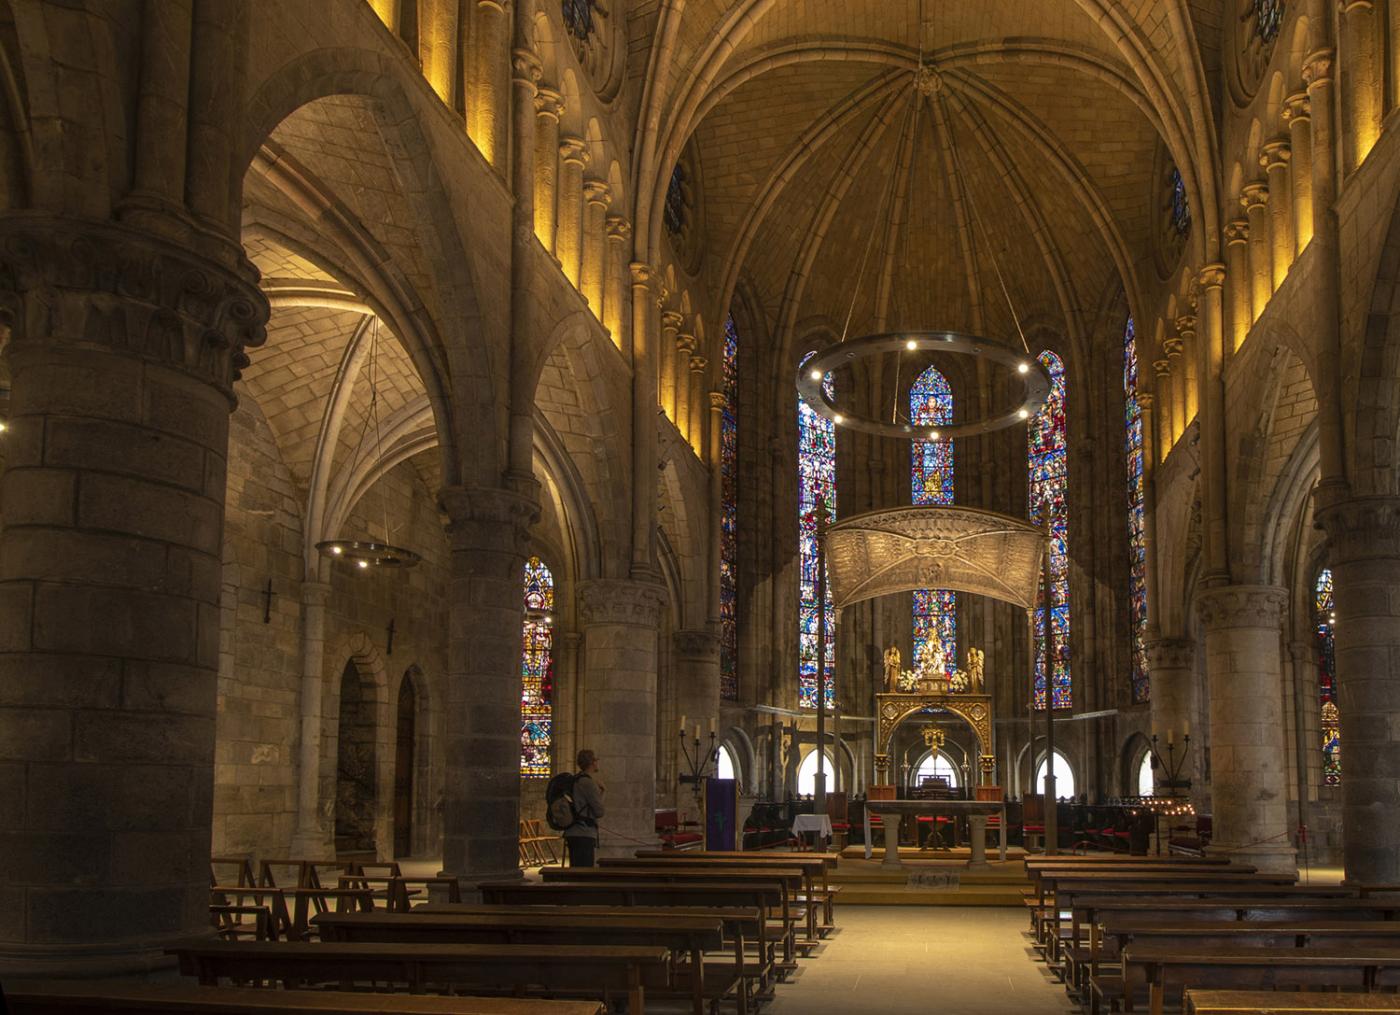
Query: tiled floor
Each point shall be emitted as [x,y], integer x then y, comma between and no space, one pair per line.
[897,960]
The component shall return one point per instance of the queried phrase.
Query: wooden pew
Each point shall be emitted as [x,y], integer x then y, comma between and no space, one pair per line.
[398,892]
[1278,1002]
[1170,970]
[294,923]
[814,867]
[683,935]
[589,970]
[93,997]
[1043,877]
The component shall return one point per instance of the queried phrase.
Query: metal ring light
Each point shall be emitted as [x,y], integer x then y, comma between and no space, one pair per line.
[811,378]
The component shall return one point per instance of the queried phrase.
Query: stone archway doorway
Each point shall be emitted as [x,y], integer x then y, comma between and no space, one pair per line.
[355,768]
[405,743]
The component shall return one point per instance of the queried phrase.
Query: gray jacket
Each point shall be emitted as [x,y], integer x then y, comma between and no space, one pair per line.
[588,805]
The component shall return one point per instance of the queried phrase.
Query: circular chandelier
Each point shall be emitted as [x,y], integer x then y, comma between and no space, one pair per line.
[813,374]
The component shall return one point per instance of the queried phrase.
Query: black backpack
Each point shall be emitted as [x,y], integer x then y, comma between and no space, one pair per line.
[559,802]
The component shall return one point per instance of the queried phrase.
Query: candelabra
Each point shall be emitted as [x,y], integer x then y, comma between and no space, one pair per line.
[701,763]
[1173,783]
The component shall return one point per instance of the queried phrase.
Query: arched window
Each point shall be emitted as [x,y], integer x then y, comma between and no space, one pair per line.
[1144,776]
[537,671]
[816,481]
[1064,777]
[931,480]
[1137,532]
[807,774]
[725,768]
[1048,466]
[578,17]
[1268,18]
[729,518]
[1323,618]
[936,764]
[676,210]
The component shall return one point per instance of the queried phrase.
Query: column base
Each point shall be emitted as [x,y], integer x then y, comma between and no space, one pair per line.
[78,962]
[467,883]
[1267,858]
[311,846]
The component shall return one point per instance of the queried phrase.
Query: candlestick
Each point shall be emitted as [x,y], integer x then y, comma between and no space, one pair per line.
[713,725]
[1171,737]
[682,725]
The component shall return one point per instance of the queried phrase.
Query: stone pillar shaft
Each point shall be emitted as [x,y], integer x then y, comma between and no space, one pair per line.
[1176,387]
[1170,662]
[564,721]
[1274,159]
[1237,277]
[696,429]
[685,348]
[1361,81]
[615,285]
[123,351]
[646,330]
[1249,780]
[1165,439]
[1297,114]
[1186,326]
[696,679]
[671,322]
[313,836]
[593,270]
[1214,348]
[549,106]
[487,100]
[568,244]
[1255,198]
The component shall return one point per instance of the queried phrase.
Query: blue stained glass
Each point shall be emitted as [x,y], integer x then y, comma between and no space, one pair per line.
[1268,18]
[1048,467]
[537,670]
[729,518]
[675,211]
[578,17]
[931,480]
[1181,206]
[1323,607]
[816,481]
[1137,532]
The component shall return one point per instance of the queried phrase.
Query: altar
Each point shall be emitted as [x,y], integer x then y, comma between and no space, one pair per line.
[976,811]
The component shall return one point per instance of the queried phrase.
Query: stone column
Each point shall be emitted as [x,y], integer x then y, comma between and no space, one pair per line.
[646,334]
[1249,779]
[696,678]
[695,430]
[620,620]
[568,244]
[487,99]
[615,282]
[1255,199]
[1237,275]
[1361,81]
[1213,351]
[1172,346]
[1307,722]
[564,721]
[671,322]
[1298,116]
[1165,440]
[1363,536]
[1273,159]
[549,106]
[596,197]
[1170,662]
[314,835]
[685,348]
[488,532]
[123,349]
[1186,328]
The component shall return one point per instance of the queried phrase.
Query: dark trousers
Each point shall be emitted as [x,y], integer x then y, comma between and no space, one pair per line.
[581,850]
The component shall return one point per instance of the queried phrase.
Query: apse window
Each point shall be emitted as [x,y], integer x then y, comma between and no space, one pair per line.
[1064,777]
[807,775]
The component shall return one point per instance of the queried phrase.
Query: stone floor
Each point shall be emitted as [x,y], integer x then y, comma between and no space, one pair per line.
[900,961]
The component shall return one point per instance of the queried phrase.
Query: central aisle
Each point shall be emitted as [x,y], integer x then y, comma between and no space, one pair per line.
[912,960]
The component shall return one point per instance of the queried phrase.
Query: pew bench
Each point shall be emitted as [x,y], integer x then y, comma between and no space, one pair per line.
[1275,1002]
[592,971]
[95,997]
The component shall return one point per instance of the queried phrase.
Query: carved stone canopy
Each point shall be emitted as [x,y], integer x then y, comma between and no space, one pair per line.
[957,548]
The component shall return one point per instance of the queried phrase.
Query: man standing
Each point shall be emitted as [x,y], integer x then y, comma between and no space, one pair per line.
[582,836]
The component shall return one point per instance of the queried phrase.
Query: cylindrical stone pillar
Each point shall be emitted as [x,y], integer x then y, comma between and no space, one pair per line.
[1255,200]
[488,98]
[1363,536]
[1165,440]
[685,348]
[620,620]
[568,243]
[1249,777]
[1172,346]
[696,677]
[1186,328]
[596,197]
[1361,81]
[313,835]
[671,321]
[488,532]
[615,283]
[122,354]
[647,297]
[565,715]
[1297,114]
[1273,159]
[1237,279]
[695,431]
[1170,662]
[549,106]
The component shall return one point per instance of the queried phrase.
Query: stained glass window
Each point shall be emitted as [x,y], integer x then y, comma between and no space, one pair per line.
[1048,466]
[816,480]
[729,518]
[537,670]
[1323,616]
[675,211]
[1180,206]
[578,18]
[931,478]
[1268,18]
[1137,533]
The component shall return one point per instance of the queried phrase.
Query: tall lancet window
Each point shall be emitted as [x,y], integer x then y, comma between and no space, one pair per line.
[1137,531]
[1048,466]
[537,670]
[816,480]
[931,479]
[729,518]
[1323,617]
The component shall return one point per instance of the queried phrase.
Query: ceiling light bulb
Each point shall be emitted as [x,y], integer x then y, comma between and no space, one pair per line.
[1023,368]
[933,435]
[911,345]
[337,550]
[816,375]
[1024,414]
[362,563]
[838,419]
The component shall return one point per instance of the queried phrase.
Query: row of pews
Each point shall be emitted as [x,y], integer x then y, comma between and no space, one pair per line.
[1206,936]
[703,930]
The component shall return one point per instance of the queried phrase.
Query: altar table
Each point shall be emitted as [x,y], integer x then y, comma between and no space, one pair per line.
[977,812]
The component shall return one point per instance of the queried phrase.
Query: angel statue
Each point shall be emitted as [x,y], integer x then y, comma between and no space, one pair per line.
[892,661]
[976,659]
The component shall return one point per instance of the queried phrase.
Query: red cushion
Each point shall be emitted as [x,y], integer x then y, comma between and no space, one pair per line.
[1033,828]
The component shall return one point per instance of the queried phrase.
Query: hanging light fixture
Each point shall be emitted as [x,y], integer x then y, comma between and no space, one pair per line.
[363,554]
[1023,368]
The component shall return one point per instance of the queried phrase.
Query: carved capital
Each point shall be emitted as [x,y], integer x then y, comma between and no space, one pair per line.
[1162,368]
[685,344]
[548,102]
[525,66]
[1317,69]
[1170,654]
[82,283]
[698,645]
[1145,400]
[1242,606]
[718,401]
[620,601]
[1236,232]
[573,149]
[619,228]
[643,275]
[1254,195]
[1361,528]
[671,320]
[597,192]
[1297,108]
[488,518]
[1186,325]
[1172,346]
[1212,276]
[698,364]
[1276,154]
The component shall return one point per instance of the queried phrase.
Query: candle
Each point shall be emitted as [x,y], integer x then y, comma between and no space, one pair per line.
[682,725]
[1171,736]
[697,732]
[1187,730]
[712,727]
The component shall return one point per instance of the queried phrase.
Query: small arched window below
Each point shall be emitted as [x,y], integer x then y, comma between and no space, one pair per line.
[807,775]
[1144,775]
[725,768]
[936,764]
[1064,777]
